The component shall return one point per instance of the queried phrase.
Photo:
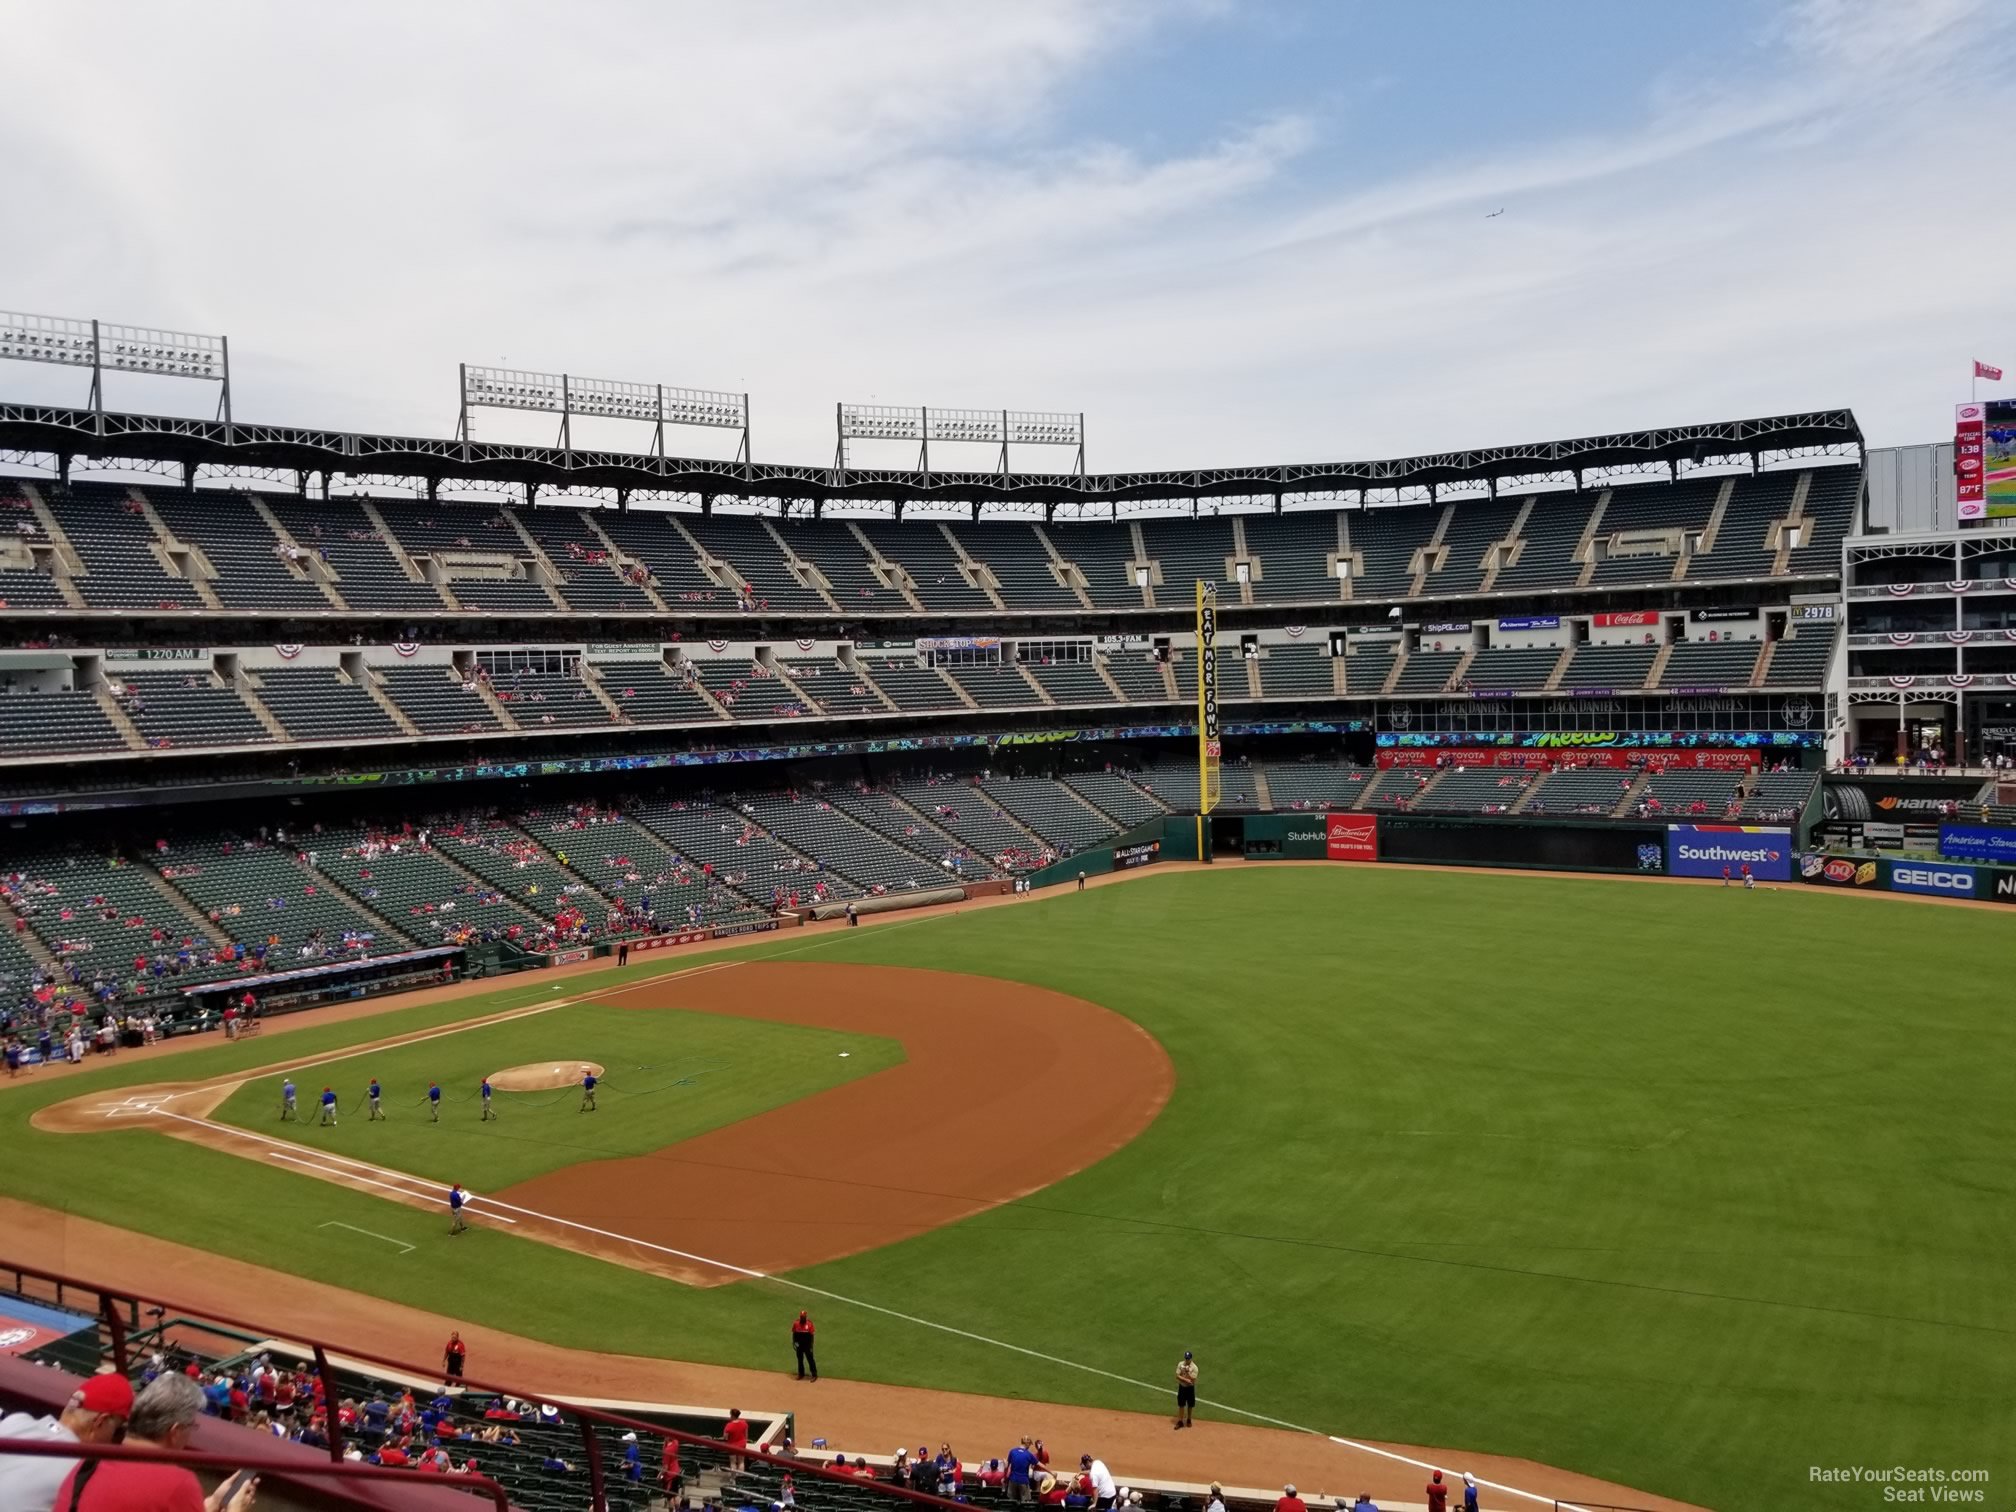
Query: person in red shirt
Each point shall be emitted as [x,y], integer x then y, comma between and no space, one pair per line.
[735,1433]
[454,1357]
[1289,1501]
[164,1417]
[801,1346]
[1438,1494]
[240,1405]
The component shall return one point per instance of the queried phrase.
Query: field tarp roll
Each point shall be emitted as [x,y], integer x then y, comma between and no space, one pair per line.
[930,897]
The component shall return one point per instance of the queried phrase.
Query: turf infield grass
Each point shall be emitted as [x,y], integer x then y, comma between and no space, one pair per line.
[1704,1190]
[667,1077]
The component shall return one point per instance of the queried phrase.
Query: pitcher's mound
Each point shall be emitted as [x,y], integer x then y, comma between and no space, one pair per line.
[543,1077]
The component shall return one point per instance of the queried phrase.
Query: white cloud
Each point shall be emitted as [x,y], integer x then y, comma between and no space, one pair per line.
[817,202]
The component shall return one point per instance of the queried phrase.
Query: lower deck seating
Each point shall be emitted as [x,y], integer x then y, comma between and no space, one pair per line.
[1691,793]
[1475,790]
[1315,784]
[514,863]
[1396,788]
[408,884]
[1113,795]
[1580,790]
[253,892]
[821,829]
[1778,797]
[1051,810]
[962,808]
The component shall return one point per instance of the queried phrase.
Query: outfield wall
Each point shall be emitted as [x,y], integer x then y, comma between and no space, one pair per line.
[1955,880]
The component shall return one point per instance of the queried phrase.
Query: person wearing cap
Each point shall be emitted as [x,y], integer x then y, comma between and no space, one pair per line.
[1364,1503]
[375,1092]
[434,1102]
[801,1346]
[489,1113]
[1289,1501]
[454,1356]
[287,1114]
[1186,1389]
[1438,1494]
[456,1198]
[1469,1492]
[587,1092]
[328,1107]
[1215,1502]
[95,1414]
[164,1417]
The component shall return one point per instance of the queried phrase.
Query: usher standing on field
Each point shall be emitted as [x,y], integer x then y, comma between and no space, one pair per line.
[801,1346]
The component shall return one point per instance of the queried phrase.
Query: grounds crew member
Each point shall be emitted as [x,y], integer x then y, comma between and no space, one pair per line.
[587,1092]
[328,1107]
[489,1113]
[456,1198]
[376,1091]
[1186,1389]
[801,1346]
[434,1102]
[287,1100]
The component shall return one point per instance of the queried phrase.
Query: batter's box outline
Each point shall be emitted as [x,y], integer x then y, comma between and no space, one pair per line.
[140,1105]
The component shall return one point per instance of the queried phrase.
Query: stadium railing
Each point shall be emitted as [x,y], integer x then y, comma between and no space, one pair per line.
[120,1312]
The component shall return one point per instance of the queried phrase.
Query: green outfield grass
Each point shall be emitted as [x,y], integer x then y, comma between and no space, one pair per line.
[667,1077]
[1690,1188]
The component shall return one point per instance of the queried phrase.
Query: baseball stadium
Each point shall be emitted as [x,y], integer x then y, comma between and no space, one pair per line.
[591,974]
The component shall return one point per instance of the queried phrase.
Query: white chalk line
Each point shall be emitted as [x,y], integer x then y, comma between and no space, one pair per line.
[837,1297]
[404,1247]
[431,1194]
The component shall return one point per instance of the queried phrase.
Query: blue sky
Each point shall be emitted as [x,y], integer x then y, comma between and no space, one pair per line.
[1227,232]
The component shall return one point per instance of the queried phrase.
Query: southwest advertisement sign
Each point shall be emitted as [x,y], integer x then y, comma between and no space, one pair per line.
[1352,837]
[1977,842]
[1702,850]
[1938,879]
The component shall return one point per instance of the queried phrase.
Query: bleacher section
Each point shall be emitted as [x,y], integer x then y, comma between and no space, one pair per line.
[114,908]
[815,825]
[1315,784]
[1778,797]
[924,553]
[412,887]
[1523,668]
[1175,784]
[743,856]
[1190,551]
[963,809]
[315,703]
[1739,550]
[368,576]
[1549,537]
[1101,552]
[1051,811]
[1367,665]
[436,702]
[54,722]
[1677,793]
[1586,791]
[236,542]
[1070,682]
[654,540]
[890,816]
[1114,796]
[1387,538]
[1711,664]
[1685,506]
[1477,790]
[1830,506]
[1291,553]
[112,538]
[167,710]
[252,891]
[1397,788]
[511,861]
[623,860]
[1616,667]
[1428,671]
[746,544]
[1019,563]
[590,579]
[1800,659]
[843,561]
[1298,672]
[1475,527]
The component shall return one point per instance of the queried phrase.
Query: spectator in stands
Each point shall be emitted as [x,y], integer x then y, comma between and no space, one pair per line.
[95,1414]
[164,1417]
[1289,1501]
[735,1433]
[1099,1480]
[1364,1503]
[1020,1479]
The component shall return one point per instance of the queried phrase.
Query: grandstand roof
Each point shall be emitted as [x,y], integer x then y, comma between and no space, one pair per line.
[72,432]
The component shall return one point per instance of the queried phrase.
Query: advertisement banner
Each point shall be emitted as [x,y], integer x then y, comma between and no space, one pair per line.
[1970,459]
[1530,622]
[572,957]
[1209,749]
[1998,459]
[1978,842]
[1449,627]
[1938,879]
[1837,871]
[666,941]
[1127,857]
[761,926]
[1714,616]
[1702,850]
[1352,837]
[1518,756]
[2004,890]
[1627,619]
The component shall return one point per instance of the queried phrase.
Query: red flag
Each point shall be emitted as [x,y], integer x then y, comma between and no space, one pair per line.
[1992,374]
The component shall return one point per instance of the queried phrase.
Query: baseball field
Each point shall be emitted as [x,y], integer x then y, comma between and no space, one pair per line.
[1690,1189]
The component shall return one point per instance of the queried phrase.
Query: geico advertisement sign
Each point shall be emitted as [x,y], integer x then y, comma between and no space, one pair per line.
[1940,881]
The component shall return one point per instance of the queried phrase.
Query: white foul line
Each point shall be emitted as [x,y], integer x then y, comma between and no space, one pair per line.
[404,1247]
[336,1175]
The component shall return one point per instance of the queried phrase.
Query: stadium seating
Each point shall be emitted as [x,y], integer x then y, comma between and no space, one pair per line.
[111,535]
[1585,791]
[1101,552]
[995,687]
[1523,668]
[538,699]
[1387,539]
[743,856]
[1139,675]
[436,701]
[369,578]
[1175,784]
[1739,550]
[189,710]
[1114,796]
[1800,659]
[813,824]
[832,687]
[1475,790]
[1367,665]
[1683,506]
[316,703]
[513,862]
[961,807]
[1474,528]
[1549,537]
[912,688]
[1396,788]
[931,561]
[54,722]
[29,588]
[654,539]
[746,544]
[624,861]
[1291,553]
[100,913]
[1778,797]
[1052,810]
[889,816]
[1191,551]
[1070,682]
[1315,784]
[749,690]
[843,561]
[412,888]
[647,692]
[590,579]
[253,891]
[1298,672]
[244,552]
[1831,496]
[1678,792]
[1618,667]
[1021,566]
[1711,664]
[1428,671]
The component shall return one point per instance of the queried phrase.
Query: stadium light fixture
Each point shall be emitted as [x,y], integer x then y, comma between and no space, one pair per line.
[567,396]
[923,425]
[100,345]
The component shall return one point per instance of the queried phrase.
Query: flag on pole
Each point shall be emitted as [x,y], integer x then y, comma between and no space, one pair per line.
[1982,370]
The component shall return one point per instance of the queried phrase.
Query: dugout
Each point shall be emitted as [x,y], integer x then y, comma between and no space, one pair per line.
[331,981]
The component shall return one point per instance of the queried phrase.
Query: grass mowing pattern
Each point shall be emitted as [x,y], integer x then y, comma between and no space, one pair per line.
[667,1077]
[1688,1188]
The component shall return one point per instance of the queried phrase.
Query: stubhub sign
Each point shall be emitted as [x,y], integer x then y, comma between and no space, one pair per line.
[1702,850]
[1941,879]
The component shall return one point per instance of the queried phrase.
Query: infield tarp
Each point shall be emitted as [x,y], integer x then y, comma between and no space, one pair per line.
[1702,850]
